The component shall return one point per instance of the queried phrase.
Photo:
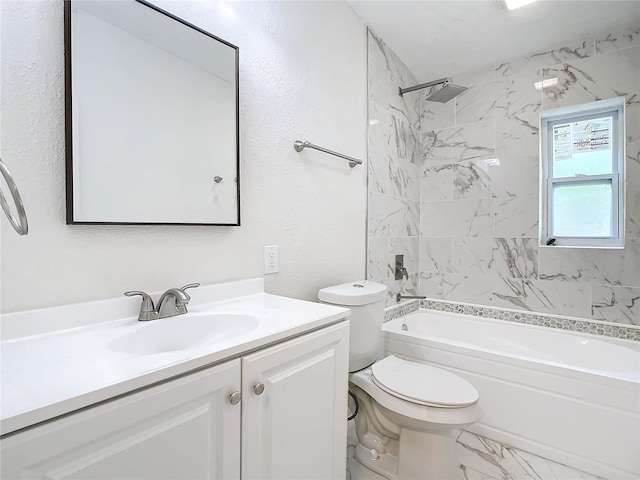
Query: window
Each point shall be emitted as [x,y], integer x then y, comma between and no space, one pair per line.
[582,175]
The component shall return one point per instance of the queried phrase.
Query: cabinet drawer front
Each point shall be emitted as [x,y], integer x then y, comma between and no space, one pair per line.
[294,427]
[185,428]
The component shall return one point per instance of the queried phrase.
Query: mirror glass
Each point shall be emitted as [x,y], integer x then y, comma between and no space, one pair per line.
[151,118]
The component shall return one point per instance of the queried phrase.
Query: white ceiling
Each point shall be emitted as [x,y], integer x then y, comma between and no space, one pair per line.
[441,38]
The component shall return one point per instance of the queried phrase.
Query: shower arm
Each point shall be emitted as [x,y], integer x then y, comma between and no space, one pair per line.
[423,85]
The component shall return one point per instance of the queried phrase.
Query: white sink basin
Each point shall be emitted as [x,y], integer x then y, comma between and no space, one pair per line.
[183,332]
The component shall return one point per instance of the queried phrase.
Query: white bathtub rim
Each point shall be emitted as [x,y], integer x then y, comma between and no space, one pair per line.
[544,328]
[624,342]
[543,365]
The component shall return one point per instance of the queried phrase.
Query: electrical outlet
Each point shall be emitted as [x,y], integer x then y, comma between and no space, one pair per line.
[270,259]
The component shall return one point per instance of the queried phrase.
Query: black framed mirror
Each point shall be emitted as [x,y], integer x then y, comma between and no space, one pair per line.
[152,118]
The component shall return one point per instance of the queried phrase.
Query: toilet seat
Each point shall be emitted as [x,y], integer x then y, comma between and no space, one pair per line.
[422,384]
[412,415]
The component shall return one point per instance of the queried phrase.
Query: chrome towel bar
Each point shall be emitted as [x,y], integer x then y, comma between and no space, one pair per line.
[299,146]
[21,226]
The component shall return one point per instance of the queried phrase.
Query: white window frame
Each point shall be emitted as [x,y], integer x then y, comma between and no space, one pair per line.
[616,108]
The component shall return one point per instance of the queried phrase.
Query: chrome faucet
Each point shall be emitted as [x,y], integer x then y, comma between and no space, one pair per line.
[171,303]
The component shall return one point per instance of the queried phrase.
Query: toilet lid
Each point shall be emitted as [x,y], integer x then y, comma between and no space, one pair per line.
[422,384]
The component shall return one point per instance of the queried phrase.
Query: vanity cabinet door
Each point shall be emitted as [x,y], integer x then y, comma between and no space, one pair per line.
[294,408]
[182,429]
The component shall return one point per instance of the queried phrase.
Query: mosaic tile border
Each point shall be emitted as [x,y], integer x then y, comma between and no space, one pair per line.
[592,327]
[400,309]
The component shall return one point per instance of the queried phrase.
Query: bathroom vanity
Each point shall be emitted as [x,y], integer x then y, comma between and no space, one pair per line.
[268,401]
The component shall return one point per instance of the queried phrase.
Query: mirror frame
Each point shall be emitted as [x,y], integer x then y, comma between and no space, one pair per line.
[69,119]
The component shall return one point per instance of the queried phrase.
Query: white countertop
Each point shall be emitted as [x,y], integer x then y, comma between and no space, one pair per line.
[52,371]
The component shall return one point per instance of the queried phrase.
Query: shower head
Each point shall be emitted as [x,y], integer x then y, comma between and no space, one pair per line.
[442,95]
[446,93]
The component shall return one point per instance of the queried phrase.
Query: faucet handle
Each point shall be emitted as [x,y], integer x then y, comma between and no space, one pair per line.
[147,302]
[191,285]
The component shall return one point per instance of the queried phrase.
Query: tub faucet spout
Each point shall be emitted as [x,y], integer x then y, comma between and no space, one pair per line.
[400,297]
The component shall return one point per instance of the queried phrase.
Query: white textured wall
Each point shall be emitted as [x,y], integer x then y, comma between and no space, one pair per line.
[302,76]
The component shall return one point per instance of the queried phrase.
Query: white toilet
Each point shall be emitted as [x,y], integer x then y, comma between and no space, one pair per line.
[410,414]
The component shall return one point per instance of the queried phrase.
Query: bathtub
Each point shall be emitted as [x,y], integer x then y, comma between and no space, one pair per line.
[569,397]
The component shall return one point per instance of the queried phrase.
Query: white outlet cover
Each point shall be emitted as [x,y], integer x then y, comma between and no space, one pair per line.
[271,259]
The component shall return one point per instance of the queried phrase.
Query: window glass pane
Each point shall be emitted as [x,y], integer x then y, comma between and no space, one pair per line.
[582,148]
[582,209]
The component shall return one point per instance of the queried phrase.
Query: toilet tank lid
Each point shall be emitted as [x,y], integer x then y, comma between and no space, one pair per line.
[353,293]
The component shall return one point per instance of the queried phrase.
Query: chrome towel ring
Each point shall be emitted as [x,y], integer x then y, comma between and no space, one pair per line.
[21,226]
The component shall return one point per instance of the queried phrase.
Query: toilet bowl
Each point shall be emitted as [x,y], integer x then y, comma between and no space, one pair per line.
[409,414]
[415,413]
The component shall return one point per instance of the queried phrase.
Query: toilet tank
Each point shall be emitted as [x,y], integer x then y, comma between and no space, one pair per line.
[366,300]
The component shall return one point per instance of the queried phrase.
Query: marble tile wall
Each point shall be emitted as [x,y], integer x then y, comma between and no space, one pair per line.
[485,459]
[479,188]
[394,170]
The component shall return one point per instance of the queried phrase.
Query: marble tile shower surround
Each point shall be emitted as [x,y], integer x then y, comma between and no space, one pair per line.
[479,188]
[472,216]
[394,171]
